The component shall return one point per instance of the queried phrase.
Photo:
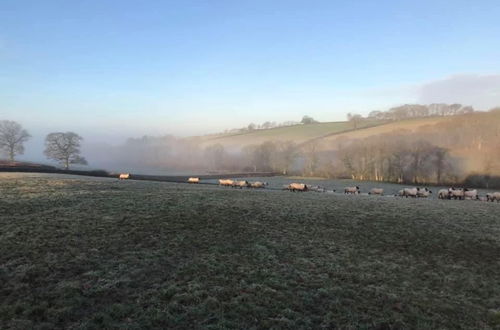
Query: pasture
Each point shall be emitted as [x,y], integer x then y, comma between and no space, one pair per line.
[296,133]
[86,253]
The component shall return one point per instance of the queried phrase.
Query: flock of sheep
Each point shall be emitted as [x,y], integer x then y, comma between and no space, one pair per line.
[417,192]
[464,193]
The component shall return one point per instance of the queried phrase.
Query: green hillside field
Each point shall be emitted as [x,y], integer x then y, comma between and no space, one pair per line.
[296,133]
[323,133]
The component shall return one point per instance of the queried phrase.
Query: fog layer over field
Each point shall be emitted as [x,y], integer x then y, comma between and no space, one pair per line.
[412,144]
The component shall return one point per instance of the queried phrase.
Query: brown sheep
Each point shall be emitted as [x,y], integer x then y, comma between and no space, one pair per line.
[226,182]
[258,184]
[241,184]
[298,187]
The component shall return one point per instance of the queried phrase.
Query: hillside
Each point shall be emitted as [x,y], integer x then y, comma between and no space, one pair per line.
[296,133]
[411,125]
[324,133]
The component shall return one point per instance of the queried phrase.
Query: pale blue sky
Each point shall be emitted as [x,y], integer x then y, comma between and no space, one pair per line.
[122,68]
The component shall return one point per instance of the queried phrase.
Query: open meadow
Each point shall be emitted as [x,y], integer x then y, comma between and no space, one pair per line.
[296,133]
[87,253]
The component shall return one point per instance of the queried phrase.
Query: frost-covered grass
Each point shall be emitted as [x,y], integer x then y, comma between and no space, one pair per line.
[81,252]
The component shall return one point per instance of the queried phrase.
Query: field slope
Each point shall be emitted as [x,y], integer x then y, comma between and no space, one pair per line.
[324,133]
[409,125]
[99,253]
[297,133]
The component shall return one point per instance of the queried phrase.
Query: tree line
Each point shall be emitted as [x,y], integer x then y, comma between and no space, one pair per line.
[306,120]
[62,147]
[446,152]
[409,111]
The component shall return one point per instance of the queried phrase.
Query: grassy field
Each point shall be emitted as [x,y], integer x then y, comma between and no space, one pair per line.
[405,125]
[297,133]
[90,253]
[323,133]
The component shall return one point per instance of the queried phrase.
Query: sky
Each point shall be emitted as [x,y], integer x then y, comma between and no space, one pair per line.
[113,69]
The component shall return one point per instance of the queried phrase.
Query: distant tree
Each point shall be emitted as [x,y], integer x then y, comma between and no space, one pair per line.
[311,155]
[251,127]
[12,138]
[285,156]
[260,157]
[308,120]
[440,162]
[355,119]
[64,148]
[419,152]
[267,125]
[215,155]
[376,114]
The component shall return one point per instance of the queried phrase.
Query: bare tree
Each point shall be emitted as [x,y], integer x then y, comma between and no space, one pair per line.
[215,155]
[260,157]
[285,156]
[12,138]
[64,148]
[310,153]
[440,155]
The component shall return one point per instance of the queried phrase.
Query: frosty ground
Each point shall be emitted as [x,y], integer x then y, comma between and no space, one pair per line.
[91,253]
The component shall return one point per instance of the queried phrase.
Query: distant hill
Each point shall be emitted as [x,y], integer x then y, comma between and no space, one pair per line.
[330,141]
[297,133]
[324,133]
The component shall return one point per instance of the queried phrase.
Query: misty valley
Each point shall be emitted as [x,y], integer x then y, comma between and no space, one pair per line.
[249,165]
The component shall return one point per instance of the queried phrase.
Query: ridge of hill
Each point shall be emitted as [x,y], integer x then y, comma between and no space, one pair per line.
[297,133]
[324,133]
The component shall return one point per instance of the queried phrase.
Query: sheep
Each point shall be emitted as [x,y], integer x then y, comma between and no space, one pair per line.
[410,192]
[494,197]
[124,176]
[376,191]
[258,184]
[226,182]
[194,180]
[423,192]
[298,187]
[318,189]
[470,194]
[352,190]
[400,193]
[444,194]
[241,184]
[482,198]
[457,193]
